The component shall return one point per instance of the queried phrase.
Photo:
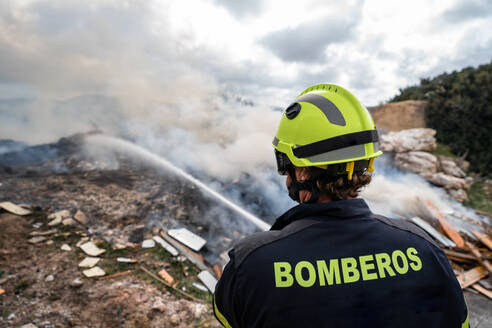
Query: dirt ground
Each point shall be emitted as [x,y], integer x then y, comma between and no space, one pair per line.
[127,300]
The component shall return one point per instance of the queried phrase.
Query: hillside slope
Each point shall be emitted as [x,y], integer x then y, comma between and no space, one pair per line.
[401,115]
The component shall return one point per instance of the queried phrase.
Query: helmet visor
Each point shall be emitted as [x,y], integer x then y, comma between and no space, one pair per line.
[283,163]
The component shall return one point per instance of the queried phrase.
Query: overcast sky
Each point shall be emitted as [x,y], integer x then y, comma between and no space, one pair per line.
[266,51]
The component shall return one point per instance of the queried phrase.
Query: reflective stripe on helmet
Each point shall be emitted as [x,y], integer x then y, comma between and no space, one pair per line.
[338,142]
[328,108]
[339,154]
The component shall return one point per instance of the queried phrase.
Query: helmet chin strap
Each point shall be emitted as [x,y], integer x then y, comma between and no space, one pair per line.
[296,186]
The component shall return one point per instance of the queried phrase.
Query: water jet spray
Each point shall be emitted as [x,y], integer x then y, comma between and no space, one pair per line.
[123,146]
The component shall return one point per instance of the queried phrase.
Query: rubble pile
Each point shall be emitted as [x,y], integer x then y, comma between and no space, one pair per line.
[87,281]
[413,149]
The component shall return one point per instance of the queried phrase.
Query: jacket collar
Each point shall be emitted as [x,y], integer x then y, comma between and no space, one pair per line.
[337,209]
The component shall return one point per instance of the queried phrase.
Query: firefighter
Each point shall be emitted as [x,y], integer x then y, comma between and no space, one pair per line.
[329,261]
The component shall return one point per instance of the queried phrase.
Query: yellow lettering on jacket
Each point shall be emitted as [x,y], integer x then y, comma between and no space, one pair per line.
[351,269]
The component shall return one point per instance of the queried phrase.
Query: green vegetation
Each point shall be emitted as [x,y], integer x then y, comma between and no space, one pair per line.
[444,150]
[480,197]
[460,109]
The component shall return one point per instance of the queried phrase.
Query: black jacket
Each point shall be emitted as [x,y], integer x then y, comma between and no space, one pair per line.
[339,265]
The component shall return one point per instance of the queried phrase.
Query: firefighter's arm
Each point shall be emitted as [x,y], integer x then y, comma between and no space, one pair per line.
[224,297]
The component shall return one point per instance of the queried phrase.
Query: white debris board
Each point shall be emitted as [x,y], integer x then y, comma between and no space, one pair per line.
[187,238]
[208,280]
[14,209]
[168,247]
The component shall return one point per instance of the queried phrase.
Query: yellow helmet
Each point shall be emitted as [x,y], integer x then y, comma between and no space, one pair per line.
[326,125]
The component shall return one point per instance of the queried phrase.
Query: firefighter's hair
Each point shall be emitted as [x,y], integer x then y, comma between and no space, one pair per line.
[341,188]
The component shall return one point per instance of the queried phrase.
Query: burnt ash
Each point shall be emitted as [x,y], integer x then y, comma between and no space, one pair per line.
[121,204]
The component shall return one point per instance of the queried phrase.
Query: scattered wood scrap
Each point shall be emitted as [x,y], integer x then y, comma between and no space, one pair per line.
[468,278]
[452,234]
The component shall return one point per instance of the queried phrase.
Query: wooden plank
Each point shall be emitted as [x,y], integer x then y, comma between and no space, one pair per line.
[483,238]
[470,277]
[452,234]
[465,257]
[482,290]
[485,263]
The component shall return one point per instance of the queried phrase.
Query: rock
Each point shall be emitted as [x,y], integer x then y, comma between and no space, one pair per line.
[421,139]
[148,243]
[463,164]
[449,167]
[49,242]
[89,262]
[468,182]
[81,217]
[197,309]
[77,282]
[94,272]
[91,249]
[458,194]
[417,161]
[446,181]
[159,305]
[174,319]
[11,316]
[66,247]
[69,222]
[49,278]
[35,240]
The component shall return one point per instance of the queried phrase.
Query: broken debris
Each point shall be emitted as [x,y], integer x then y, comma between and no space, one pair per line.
[69,222]
[77,282]
[173,251]
[208,280]
[14,209]
[57,217]
[148,243]
[43,233]
[49,278]
[89,262]
[2,291]
[484,239]
[199,286]
[187,238]
[433,232]
[126,260]
[470,277]
[81,217]
[166,276]
[91,249]
[452,234]
[94,272]
[66,248]
[36,240]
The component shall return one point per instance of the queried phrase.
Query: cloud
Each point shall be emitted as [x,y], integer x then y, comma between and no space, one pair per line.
[468,10]
[307,42]
[241,8]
